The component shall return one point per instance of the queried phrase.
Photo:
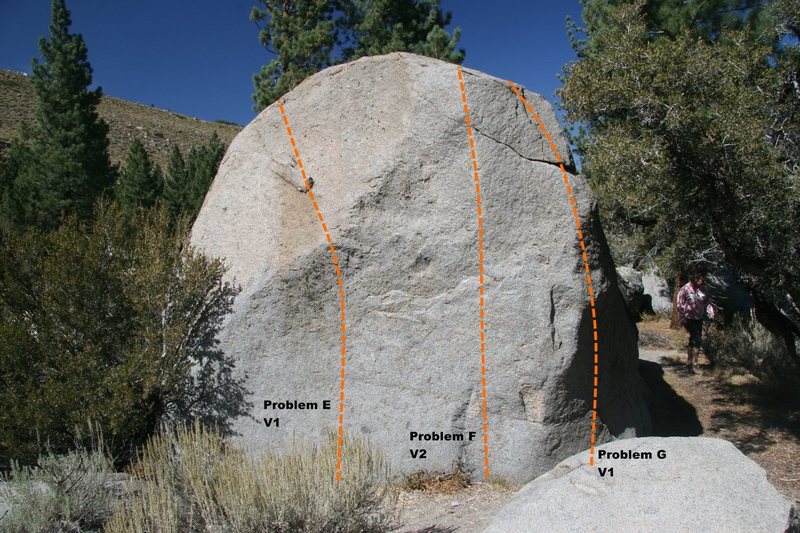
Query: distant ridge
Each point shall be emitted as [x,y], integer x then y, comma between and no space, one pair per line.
[157,128]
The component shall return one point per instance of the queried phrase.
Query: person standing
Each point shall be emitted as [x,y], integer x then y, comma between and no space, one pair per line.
[692,304]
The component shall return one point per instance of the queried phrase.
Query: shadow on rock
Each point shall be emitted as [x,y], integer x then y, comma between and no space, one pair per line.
[671,414]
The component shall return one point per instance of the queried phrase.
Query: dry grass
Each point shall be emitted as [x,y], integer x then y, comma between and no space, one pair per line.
[72,492]
[438,482]
[193,480]
[158,129]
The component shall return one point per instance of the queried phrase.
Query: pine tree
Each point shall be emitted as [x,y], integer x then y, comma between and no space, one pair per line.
[385,26]
[176,183]
[704,19]
[302,36]
[140,182]
[62,162]
[201,167]
[307,36]
[187,181]
[691,147]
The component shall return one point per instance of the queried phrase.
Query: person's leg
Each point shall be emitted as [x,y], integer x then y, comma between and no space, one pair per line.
[689,348]
[694,344]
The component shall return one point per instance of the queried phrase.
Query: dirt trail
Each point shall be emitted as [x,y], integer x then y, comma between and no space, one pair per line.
[725,405]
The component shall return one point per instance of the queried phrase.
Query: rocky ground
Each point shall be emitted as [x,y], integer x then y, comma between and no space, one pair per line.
[711,403]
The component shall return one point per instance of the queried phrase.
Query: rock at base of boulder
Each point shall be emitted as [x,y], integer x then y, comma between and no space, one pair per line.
[700,484]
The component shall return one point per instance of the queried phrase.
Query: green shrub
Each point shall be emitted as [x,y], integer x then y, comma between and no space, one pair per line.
[193,480]
[72,492]
[747,344]
[114,322]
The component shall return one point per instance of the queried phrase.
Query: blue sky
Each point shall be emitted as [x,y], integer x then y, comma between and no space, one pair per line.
[198,58]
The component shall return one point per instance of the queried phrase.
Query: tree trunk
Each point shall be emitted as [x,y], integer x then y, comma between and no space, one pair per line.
[675,322]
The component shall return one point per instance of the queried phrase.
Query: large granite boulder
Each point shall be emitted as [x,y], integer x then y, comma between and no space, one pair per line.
[385,141]
[630,283]
[657,288]
[699,484]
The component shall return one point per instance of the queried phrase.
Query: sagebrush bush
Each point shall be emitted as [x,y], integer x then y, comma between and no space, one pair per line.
[192,480]
[70,492]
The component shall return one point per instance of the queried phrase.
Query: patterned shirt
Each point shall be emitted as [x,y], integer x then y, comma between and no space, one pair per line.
[692,302]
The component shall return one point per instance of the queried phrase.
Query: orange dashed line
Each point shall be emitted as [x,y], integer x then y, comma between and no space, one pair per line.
[576,217]
[478,202]
[339,281]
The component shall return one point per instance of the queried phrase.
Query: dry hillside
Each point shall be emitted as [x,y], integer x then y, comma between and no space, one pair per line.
[156,128]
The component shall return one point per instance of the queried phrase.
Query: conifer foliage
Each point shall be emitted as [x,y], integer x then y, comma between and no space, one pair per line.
[187,180]
[691,141]
[176,182]
[140,182]
[61,164]
[385,26]
[301,34]
[307,36]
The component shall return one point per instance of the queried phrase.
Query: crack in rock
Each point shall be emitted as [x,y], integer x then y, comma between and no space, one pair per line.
[442,114]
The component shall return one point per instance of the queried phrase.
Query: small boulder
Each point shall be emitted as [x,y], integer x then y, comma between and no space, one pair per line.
[700,484]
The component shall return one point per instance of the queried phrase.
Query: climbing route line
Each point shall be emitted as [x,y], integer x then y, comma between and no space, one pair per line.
[582,242]
[339,281]
[481,288]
